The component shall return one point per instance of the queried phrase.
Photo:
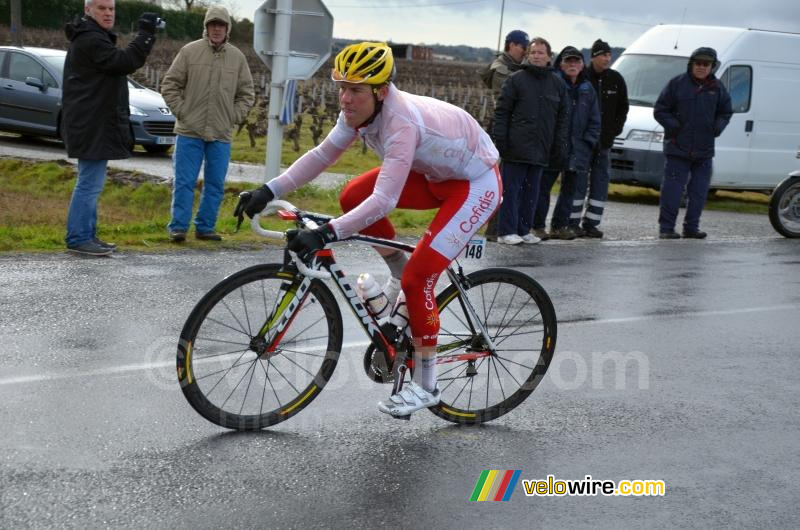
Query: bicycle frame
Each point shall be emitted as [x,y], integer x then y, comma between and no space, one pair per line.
[295,296]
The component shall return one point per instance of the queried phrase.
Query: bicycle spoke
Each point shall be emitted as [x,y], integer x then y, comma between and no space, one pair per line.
[246,313]
[252,366]
[215,321]
[275,392]
[206,357]
[241,327]
[247,390]
[493,363]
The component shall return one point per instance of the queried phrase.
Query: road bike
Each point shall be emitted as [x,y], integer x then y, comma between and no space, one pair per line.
[261,345]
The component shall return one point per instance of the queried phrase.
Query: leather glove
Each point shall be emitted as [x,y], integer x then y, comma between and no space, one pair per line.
[147,22]
[308,242]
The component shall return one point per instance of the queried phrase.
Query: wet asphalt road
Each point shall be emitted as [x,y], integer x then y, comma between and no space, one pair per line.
[95,431]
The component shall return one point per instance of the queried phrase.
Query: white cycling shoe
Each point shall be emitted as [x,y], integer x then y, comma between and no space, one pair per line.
[411,399]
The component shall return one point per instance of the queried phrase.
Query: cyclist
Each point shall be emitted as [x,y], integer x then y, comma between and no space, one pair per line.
[435,155]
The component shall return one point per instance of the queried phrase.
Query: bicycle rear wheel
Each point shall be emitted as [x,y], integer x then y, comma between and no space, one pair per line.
[478,386]
[229,372]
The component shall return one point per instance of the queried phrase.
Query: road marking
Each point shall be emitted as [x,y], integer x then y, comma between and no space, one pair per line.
[128,368]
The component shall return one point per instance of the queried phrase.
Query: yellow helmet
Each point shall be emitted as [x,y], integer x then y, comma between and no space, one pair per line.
[365,62]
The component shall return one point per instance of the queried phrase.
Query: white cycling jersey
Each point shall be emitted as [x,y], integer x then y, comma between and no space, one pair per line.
[411,132]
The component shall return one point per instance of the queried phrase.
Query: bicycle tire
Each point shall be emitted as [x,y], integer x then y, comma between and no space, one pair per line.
[500,297]
[219,333]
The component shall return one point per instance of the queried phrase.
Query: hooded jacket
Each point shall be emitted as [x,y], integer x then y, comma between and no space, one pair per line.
[498,71]
[693,113]
[531,116]
[209,89]
[95,114]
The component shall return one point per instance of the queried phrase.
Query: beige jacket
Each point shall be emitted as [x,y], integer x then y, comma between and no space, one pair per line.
[210,91]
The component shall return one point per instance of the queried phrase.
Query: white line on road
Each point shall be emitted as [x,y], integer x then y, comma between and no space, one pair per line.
[116,370]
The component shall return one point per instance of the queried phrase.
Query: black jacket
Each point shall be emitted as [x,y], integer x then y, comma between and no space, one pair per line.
[693,114]
[95,119]
[612,95]
[531,116]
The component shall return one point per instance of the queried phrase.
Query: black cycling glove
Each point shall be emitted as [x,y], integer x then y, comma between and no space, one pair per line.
[307,242]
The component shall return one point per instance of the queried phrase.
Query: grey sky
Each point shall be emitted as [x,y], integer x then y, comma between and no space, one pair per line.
[577,22]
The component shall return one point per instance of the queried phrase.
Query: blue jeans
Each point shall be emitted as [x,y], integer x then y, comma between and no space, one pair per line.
[566,197]
[695,177]
[549,178]
[82,216]
[598,191]
[520,195]
[190,154]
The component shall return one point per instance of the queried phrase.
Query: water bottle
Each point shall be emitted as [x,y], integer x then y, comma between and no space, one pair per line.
[372,295]
[400,312]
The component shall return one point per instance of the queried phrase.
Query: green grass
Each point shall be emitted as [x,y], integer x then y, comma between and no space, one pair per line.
[34,198]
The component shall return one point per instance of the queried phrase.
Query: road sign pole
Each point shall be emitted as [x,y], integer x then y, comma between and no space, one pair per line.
[280,68]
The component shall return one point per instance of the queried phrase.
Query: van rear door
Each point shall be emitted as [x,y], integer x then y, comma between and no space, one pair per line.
[776,123]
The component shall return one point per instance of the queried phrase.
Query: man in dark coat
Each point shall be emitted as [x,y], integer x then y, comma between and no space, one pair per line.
[612,95]
[95,115]
[584,133]
[530,118]
[694,108]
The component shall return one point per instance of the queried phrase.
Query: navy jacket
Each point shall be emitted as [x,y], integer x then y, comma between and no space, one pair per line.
[584,126]
[95,122]
[531,116]
[693,114]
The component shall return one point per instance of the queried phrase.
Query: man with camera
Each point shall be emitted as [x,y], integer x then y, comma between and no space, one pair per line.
[210,91]
[95,123]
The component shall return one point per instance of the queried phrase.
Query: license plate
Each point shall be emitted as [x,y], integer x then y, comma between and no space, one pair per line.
[165,140]
[475,249]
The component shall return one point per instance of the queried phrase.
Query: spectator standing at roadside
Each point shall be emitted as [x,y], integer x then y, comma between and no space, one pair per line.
[95,115]
[694,108]
[530,117]
[612,96]
[209,89]
[505,64]
[584,133]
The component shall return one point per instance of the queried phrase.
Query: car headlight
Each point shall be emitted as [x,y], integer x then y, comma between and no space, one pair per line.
[639,135]
[136,111]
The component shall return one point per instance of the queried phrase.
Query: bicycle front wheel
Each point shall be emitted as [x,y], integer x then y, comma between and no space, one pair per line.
[478,385]
[234,367]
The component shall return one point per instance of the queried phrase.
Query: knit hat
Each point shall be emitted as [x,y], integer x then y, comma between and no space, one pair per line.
[600,47]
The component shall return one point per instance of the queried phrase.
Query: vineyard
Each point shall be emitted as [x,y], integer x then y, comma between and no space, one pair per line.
[456,83]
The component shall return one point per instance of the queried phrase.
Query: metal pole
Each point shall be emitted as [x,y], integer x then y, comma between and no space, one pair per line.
[280,70]
[500,31]
[16,22]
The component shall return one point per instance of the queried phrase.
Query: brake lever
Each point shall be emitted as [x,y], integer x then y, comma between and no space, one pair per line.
[238,212]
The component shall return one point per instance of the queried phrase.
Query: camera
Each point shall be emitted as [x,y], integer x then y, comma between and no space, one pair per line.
[161,23]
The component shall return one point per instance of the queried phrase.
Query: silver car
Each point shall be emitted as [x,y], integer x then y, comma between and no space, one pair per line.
[30,99]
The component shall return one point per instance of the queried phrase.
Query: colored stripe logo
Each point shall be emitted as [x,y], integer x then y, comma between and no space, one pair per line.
[495,485]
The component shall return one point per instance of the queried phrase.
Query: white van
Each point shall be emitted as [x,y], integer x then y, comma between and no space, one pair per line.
[761,70]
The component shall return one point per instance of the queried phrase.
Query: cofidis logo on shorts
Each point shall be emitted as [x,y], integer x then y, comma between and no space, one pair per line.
[495,485]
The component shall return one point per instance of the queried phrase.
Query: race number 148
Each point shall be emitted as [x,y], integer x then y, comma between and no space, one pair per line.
[475,248]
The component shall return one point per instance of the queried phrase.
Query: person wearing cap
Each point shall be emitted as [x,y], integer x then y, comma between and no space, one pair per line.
[530,117]
[612,96]
[694,108]
[505,64]
[572,159]
[209,89]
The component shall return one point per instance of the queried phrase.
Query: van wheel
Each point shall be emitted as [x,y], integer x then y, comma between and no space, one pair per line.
[156,149]
[784,208]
